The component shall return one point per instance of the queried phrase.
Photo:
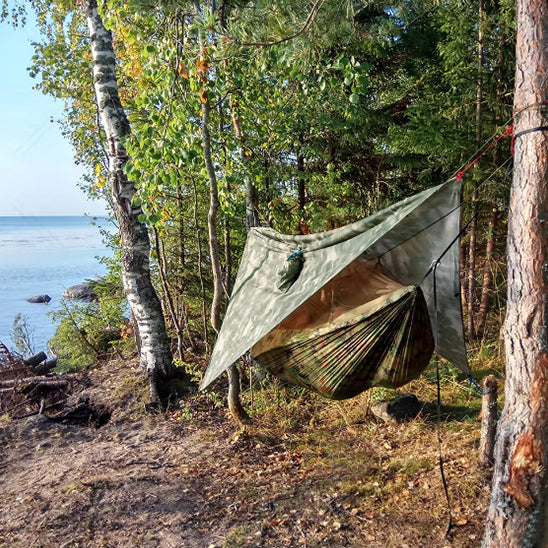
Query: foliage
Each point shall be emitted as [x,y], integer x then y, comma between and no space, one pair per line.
[87,332]
[22,335]
[321,113]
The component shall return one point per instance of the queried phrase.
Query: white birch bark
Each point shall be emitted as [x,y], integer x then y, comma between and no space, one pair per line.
[154,349]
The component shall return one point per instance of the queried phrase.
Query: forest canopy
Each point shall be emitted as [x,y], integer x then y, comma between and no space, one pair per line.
[301,116]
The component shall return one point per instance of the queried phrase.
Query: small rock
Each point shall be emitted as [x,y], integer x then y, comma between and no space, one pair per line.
[402,409]
[39,299]
[81,292]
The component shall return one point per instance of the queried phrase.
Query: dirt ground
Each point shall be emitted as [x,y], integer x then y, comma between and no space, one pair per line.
[305,473]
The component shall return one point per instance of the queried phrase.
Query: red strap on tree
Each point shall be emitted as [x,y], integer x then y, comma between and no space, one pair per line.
[509,131]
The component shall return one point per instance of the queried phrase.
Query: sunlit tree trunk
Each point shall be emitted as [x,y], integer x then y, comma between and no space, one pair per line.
[517,514]
[301,188]
[234,403]
[487,287]
[474,225]
[215,314]
[155,353]
[169,301]
[200,267]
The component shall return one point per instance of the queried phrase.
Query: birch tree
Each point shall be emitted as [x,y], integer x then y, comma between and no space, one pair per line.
[154,348]
[517,514]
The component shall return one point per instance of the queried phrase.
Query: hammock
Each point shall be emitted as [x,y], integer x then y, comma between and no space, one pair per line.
[361,330]
[355,307]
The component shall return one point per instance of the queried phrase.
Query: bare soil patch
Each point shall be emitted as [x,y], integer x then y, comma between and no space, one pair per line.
[305,473]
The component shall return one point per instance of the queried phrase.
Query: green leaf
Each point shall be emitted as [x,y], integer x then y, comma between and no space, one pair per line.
[354,98]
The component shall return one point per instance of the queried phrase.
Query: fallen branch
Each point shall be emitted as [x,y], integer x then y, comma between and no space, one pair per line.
[45,381]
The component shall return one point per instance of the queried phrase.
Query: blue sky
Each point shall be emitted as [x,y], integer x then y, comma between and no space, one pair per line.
[37,171]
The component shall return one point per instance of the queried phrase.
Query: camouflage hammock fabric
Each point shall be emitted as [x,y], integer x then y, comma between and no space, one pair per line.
[387,344]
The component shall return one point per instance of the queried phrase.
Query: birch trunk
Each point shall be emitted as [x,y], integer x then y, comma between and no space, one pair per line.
[517,514]
[154,349]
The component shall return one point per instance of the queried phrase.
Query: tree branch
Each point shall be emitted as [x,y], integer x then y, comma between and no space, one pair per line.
[305,27]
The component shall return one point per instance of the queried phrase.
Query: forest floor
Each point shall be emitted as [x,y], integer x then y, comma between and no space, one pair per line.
[306,472]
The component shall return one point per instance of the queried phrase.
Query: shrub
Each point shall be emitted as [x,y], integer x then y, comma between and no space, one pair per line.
[88,332]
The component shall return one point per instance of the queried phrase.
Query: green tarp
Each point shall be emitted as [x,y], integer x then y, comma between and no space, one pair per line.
[278,273]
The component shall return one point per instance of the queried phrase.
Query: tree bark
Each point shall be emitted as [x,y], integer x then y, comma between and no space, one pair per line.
[488,420]
[300,179]
[168,297]
[180,301]
[251,219]
[200,268]
[251,195]
[154,350]
[36,359]
[473,225]
[516,515]
[215,314]
[234,403]
[487,287]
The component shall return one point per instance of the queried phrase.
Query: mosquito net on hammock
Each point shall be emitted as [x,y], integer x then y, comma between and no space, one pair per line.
[342,311]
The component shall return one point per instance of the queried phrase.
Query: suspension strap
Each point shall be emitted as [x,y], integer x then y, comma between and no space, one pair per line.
[508,131]
[440,457]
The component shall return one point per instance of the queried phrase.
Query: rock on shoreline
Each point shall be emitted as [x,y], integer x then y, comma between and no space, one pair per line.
[45,299]
[81,292]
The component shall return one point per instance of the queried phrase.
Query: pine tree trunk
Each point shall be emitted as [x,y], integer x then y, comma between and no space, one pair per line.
[487,287]
[463,271]
[182,314]
[215,257]
[155,353]
[251,219]
[518,504]
[471,300]
[300,179]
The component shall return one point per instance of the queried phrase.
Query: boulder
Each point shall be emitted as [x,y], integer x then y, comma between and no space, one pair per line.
[401,409]
[81,292]
[39,299]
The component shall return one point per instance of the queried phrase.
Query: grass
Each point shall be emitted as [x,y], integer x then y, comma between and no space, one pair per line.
[387,472]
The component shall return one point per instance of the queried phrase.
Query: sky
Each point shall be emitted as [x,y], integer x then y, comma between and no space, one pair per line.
[37,171]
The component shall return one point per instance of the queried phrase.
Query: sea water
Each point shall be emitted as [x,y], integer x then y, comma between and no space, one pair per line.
[45,255]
